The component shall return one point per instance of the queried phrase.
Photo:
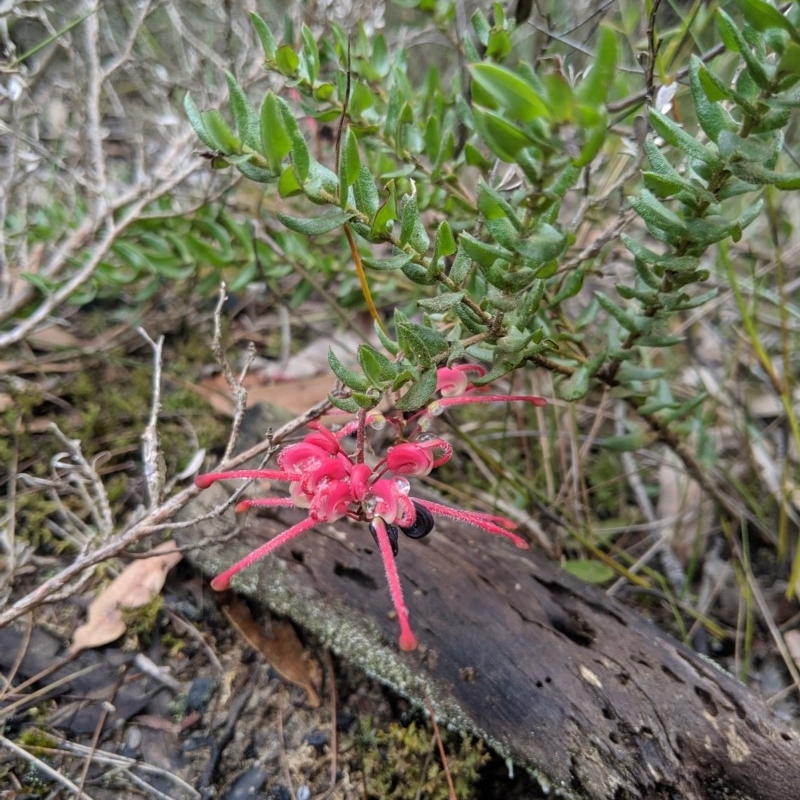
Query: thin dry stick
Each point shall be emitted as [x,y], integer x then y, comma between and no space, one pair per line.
[334,740]
[44,767]
[440,744]
[152,460]
[124,764]
[284,760]
[105,708]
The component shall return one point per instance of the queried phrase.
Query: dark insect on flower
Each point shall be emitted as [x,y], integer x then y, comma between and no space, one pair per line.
[334,484]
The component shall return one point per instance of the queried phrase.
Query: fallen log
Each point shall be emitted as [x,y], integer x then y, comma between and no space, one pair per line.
[572,685]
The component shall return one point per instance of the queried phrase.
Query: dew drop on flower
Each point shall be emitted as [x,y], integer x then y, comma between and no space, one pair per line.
[426,437]
[402,484]
[435,409]
[376,421]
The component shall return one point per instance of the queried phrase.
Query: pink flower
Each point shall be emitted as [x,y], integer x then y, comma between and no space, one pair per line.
[333,483]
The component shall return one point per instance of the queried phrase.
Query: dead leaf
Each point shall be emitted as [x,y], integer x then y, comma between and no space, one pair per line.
[283,649]
[134,587]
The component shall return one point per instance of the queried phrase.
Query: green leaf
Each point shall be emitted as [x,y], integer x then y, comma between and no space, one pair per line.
[671,132]
[365,193]
[350,378]
[626,320]
[310,54]
[757,69]
[445,242]
[595,572]
[763,17]
[349,164]
[316,226]
[377,368]
[248,126]
[222,137]
[385,264]
[664,224]
[757,174]
[265,36]
[287,61]
[593,89]
[625,443]
[301,157]
[712,117]
[508,90]
[420,393]
[412,230]
[346,404]
[572,285]
[289,184]
[276,143]
[388,344]
[196,121]
[502,137]
[442,302]
[544,244]
[483,253]
[576,386]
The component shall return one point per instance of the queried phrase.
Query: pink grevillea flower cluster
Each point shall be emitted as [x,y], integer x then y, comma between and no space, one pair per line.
[333,483]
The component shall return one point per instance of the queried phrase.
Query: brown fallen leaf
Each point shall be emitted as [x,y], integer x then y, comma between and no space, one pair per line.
[134,587]
[283,649]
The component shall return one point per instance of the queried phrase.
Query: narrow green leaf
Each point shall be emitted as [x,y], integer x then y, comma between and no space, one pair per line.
[420,393]
[502,137]
[662,223]
[576,386]
[758,70]
[671,132]
[445,242]
[588,571]
[196,121]
[377,368]
[276,143]
[301,157]
[572,285]
[349,162]
[388,344]
[712,117]
[510,92]
[265,36]
[412,345]
[386,264]
[763,17]
[317,225]
[248,125]
[441,303]
[221,135]
[350,378]
[626,320]
[412,229]
[365,193]
[310,54]
[346,404]
[594,87]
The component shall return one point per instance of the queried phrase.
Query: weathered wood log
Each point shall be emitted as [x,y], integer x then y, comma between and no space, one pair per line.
[569,683]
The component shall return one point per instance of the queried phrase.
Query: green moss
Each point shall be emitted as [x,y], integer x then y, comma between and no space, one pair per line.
[142,621]
[397,763]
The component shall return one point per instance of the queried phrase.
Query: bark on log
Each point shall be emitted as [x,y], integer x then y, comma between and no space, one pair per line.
[569,683]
